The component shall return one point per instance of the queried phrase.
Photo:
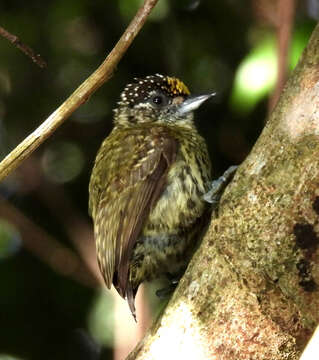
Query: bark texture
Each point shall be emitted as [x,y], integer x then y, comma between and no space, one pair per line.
[251,289]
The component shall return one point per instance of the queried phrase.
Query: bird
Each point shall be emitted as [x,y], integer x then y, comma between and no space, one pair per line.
[147,185]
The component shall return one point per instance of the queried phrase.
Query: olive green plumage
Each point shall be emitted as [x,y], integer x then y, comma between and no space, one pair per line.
[147,185]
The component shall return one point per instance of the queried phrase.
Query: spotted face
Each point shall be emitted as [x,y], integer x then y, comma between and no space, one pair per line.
[149,99]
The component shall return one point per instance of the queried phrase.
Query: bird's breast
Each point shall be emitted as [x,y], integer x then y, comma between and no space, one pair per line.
[181,202]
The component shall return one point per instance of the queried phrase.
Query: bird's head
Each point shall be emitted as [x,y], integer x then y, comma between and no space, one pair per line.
[157,99]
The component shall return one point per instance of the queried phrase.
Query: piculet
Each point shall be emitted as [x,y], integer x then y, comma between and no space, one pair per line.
[147,185]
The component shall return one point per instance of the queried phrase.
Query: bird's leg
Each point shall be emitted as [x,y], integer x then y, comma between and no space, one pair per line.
[168,290]
[218,186]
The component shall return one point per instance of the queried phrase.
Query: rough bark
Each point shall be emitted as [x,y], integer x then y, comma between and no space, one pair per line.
[251,289]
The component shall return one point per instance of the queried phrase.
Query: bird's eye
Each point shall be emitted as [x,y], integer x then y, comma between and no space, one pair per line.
[159,100]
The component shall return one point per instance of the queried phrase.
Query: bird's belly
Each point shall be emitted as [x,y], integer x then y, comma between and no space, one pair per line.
[167,238]
[157,255]
[180,204]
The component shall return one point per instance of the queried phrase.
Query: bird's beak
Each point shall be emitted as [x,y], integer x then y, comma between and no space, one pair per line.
[193,102]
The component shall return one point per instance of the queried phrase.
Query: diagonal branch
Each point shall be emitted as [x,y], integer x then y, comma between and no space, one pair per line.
[251,289]
[79,96]
[36,58]
[286,13]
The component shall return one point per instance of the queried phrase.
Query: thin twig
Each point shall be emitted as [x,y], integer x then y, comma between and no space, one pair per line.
[79,96]
[36,58]
[286,13]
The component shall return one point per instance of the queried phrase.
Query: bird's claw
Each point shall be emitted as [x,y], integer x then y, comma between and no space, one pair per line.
[218,186]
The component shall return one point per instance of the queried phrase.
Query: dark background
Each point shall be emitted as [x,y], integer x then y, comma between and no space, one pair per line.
[45,314]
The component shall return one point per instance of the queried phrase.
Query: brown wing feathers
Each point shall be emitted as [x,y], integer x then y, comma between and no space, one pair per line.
[124,205]
[141,199]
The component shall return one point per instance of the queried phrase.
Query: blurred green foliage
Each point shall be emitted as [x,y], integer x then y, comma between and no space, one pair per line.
[256,75]
[210,45]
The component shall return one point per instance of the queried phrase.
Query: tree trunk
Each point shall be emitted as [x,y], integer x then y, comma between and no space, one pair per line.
[251,289]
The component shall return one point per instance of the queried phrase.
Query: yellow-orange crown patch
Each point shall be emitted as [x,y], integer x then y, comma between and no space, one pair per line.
[176,86]
[142,88]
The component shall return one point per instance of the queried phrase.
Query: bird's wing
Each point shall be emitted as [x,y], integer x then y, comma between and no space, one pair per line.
[126,194]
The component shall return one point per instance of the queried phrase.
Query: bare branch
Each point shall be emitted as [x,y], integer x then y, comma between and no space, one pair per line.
[79,96]
[36,58]
[286,12]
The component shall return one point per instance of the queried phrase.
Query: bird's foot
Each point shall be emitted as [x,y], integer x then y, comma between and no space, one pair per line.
[218,186]
[168,290]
